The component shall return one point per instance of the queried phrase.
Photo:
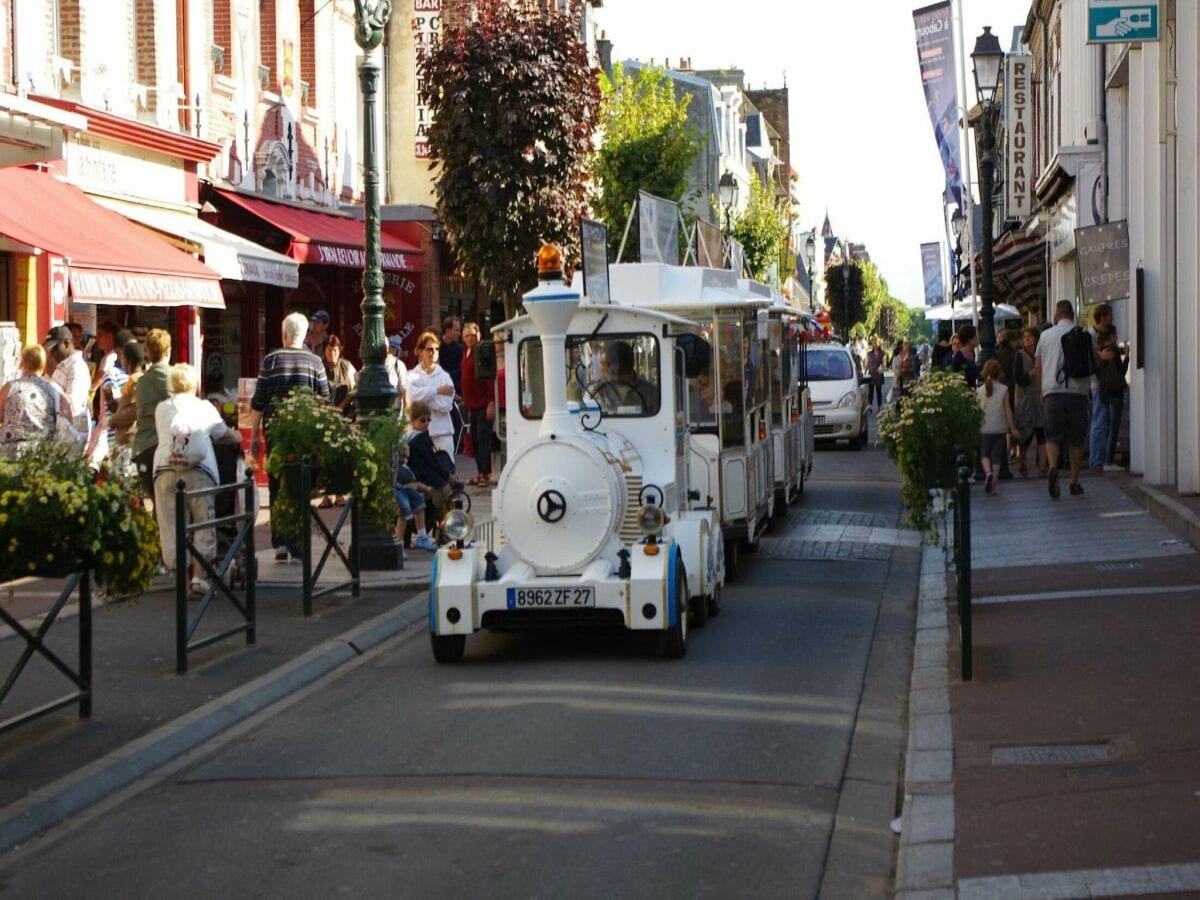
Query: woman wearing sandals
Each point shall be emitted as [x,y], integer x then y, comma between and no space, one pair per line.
[479,398]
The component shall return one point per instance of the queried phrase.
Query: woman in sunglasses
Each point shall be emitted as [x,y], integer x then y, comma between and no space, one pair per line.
[431,384]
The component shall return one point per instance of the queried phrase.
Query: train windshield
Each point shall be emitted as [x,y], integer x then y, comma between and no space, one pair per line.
[620,374]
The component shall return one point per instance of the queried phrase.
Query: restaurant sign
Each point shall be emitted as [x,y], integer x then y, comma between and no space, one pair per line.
[142,289]
[354,257]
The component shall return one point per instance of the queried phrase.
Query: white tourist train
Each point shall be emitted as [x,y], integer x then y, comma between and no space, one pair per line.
[612,506]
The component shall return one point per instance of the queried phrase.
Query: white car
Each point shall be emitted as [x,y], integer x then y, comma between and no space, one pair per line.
[839,395]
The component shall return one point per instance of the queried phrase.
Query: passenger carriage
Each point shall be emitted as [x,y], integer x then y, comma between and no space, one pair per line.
[792,437]
[596,521]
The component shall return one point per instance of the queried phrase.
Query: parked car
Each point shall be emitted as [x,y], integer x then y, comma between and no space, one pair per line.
[839,395]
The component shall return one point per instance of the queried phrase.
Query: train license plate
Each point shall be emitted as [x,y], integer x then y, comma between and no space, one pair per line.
[551,597]
[818,420]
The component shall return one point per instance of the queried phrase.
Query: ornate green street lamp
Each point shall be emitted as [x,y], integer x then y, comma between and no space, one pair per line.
[378,550]
[988,61]
[375,392]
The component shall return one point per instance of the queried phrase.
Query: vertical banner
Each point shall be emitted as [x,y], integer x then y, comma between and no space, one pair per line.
[939,78]
[931,269]
[593,244]
[58,290]
[710,245]
[427,34]
[658,229]
[1018,123]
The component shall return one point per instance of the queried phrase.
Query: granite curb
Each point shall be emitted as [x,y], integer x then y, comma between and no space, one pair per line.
[69,795]
[1175,515]
[925,863]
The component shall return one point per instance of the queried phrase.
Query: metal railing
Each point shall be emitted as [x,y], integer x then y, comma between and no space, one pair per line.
[962,560]
[352,562]
[35,642]
[236,564]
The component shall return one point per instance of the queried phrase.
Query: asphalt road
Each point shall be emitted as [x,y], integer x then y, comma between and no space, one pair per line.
[762,764]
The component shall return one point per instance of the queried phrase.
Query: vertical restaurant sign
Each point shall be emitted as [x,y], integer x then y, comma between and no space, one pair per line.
[1018,123]
[939,78]
[931,270]
[427,35]
[593,242]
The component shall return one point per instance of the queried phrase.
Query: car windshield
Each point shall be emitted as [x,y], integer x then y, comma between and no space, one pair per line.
[829,364]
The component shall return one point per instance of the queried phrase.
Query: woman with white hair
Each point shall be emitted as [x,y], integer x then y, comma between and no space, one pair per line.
[186,427]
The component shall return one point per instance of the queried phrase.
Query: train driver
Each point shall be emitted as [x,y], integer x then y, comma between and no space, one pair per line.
[622,391]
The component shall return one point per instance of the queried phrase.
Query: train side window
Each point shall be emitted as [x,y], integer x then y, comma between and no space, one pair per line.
[731,379]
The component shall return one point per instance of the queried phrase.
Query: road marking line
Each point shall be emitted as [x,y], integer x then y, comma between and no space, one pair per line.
[1092,593]
[1086,883]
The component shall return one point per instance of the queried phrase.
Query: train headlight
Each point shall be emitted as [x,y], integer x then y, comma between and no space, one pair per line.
[458,525]
[651,520]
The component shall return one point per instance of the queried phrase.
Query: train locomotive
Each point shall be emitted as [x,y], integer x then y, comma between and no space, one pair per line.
[595,519]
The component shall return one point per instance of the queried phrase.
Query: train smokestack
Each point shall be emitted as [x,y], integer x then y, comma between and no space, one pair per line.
[551,307]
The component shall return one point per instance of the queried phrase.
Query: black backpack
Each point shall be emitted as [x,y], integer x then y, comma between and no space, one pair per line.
[1077,359]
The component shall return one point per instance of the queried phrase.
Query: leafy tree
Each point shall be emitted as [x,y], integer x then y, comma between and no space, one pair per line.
[761,229]
[514,105]
[648,145]
[835,296]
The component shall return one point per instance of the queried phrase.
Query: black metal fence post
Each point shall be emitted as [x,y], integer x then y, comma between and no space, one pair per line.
[306,513]
[356,544]
[181,579]
[963,553]
[250,567]
[85,645]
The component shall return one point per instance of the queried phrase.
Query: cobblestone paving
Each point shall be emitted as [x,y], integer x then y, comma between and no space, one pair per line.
[831,534]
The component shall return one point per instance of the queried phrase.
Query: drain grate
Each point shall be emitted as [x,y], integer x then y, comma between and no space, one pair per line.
[1050,754]
[1119,567]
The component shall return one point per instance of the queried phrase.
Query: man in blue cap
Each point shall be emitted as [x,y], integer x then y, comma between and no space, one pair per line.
[318,333]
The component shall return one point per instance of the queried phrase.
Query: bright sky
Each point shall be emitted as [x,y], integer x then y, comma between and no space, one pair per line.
[861,138]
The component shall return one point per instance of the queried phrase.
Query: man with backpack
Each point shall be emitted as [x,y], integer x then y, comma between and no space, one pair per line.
[1066,359]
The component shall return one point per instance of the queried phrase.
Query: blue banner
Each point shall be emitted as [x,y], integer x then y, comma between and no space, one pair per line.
[931,269]
[939,78]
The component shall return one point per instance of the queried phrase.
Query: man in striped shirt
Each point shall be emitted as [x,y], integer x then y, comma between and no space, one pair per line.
[284,370]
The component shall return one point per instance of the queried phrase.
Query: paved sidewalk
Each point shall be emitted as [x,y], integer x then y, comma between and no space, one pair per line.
[143,713]
[1070,765]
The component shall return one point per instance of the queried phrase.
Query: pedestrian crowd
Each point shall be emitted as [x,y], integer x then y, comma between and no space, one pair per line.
[120,399]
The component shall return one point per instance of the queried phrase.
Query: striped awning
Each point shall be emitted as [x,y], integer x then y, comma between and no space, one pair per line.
[1018,270]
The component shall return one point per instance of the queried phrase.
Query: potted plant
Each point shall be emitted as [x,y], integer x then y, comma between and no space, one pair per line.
[346,458]
[924,433]
[58,516]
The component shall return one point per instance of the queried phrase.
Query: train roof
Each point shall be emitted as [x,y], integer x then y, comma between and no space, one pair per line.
[658,317]
[660,286]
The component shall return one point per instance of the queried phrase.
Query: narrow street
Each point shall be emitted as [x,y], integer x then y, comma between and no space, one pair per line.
[765,763]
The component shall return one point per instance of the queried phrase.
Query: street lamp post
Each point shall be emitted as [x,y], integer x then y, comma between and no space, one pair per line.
[378,548]
[375,392]
[810,254]
[728,188]
[987,60]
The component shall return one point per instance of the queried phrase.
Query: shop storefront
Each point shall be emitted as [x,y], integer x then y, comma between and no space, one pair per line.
[71,258]
[328,249]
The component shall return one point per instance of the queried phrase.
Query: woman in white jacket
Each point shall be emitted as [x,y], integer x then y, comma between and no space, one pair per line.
[432,384]
[180,421]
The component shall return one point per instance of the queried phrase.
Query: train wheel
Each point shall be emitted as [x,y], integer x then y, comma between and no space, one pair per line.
[672,643]
[713,602]
[448,648]
[733,553]
[781,504]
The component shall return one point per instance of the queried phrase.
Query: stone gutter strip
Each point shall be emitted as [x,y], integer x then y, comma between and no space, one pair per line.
[925,866]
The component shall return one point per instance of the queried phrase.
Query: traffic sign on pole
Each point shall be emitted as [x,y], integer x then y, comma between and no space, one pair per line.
[1119,22]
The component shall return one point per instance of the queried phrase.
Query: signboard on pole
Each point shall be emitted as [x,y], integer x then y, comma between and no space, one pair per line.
[931,268]
[658,229]
[1102,252]
[737,256]
[593,244]
[710,245]
[1118,22]
[939,78]
[1018,124]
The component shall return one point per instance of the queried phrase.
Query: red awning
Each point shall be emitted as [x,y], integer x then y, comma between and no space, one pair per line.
[109,259]
[327,240]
